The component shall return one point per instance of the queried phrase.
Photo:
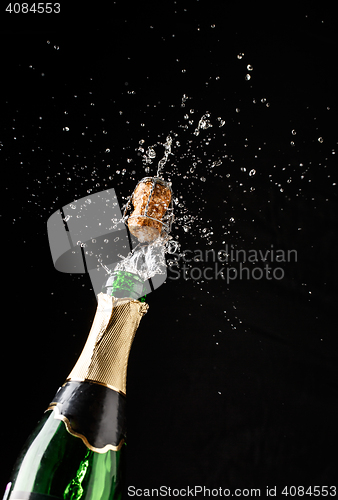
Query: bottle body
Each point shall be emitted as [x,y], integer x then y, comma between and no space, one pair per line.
[55,464]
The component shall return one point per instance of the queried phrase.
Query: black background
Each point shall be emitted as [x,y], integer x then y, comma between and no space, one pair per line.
[229,384]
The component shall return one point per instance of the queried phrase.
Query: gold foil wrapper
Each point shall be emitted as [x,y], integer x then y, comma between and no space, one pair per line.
[104,358]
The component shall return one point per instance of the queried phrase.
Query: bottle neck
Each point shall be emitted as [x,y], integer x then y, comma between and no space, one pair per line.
[123,284]
[105,355]
[92,401]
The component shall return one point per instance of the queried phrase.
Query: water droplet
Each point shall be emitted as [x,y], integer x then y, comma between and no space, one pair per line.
[320,139]
[249,67]
[240,55]
[293,132]
[252,172]
[247,76]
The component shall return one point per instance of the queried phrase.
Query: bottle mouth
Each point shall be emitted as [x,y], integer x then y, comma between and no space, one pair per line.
[123,284]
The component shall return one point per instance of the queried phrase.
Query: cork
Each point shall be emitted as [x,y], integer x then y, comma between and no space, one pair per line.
[151,200]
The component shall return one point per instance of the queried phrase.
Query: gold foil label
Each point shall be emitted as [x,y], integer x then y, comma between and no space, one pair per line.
[104,358]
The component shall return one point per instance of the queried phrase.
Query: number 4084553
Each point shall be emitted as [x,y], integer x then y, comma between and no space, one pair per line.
[301,491]
[36,8]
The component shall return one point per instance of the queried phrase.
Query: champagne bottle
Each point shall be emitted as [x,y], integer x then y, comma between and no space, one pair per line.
[77,449]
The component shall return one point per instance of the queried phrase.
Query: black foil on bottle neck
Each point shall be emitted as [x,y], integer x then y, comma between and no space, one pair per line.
[94,411]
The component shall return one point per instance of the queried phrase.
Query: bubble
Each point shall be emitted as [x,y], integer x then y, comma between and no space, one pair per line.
[240,55]
[249,67]
[252,172]
[293,132]
[247,76]
[320,139]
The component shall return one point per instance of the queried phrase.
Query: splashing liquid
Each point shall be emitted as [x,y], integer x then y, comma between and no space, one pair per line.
[203,124]
[146,261]
[167,152]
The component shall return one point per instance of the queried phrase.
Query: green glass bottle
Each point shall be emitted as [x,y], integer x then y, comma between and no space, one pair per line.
[77,450]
